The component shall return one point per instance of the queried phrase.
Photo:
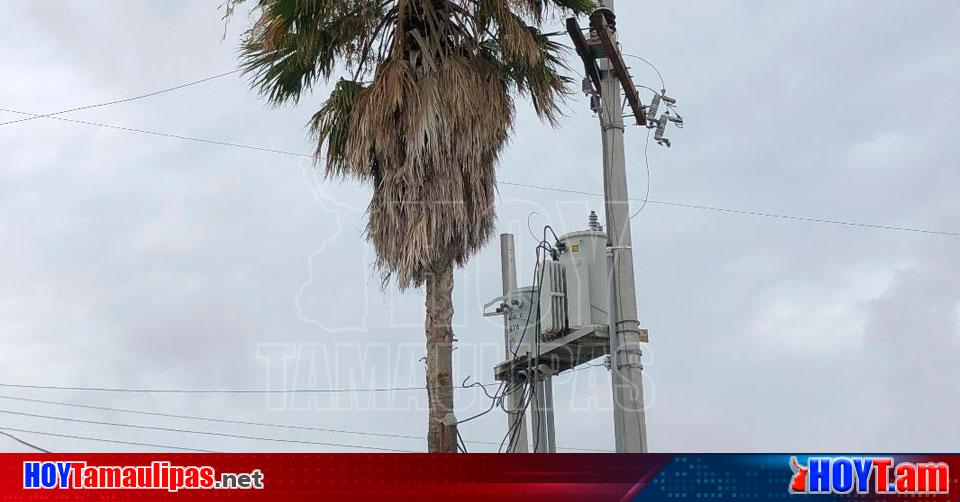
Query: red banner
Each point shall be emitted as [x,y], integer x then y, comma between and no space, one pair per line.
[297,477]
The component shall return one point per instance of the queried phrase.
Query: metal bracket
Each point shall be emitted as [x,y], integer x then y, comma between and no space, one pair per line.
[502,309]
[634,361]
[602,24]
[641,332]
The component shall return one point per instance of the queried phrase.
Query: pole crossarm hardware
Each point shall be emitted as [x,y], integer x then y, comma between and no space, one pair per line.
[603,23]
[602,45]
[587,52]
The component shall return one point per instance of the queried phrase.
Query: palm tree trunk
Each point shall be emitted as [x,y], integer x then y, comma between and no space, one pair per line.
[439,330]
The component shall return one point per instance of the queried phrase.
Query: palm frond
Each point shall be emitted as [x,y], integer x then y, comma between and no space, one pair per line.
[428,128]
[331,125]
[295,43]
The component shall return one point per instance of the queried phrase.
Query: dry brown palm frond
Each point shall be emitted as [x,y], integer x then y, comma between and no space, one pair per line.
[437,152]
[428,127]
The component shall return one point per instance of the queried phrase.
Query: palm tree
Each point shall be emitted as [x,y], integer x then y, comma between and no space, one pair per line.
[423,110]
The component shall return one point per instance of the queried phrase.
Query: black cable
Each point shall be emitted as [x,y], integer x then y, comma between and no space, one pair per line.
[512,388]
[526,324]
[125,100]
[211,419]
[646,162]
[532,379]
[25,443]
[536,423]
[742,212]
[552,189]
[662,85]
[202,433]
[221,391]
[103,440]
[509,442]
[161,134]
[651,89]
[494,400]
[482,387]
[548,227]
[251,423]
[530,230]
[530,395]
[513,433]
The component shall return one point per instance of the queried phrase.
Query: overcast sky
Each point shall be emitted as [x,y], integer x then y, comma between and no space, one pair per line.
[129,260]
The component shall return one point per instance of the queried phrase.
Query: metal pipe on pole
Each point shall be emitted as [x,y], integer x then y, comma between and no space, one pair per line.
[516,419]
[551,422]
[538,417]
[541,414]
[625,333]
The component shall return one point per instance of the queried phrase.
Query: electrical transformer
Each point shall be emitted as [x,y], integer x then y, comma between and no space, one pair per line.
[554,322]
[584,259]
[573,294]
[531,311]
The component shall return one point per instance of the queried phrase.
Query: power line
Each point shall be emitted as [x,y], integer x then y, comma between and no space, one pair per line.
[125,100]
[744,212]
[104,440]
[210,419]
[646,163]
[251,423]
[161,134]
[28,445]
[215,391]
[662,85]
[202,433]
[538,187]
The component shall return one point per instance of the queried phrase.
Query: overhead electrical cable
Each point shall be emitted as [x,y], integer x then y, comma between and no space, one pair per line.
[538,187]
[745,212]
[25,443]
[105,440]
[201,433]
[216,391]
[651,65]
[699,207]
[209,419]
[124,100]
[161,134]
[247,422]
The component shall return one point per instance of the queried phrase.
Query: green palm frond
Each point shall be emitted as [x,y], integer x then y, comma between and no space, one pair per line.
[332,124]
[575,7]
[538,10]
[295,43]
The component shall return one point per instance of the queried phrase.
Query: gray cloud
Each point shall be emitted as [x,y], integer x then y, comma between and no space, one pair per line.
[130,260]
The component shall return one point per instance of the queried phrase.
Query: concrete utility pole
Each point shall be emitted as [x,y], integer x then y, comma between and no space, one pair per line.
[515,416]
[625,335]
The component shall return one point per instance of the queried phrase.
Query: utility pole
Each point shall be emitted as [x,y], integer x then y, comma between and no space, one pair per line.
[515,416]
[625,333]
[573,338]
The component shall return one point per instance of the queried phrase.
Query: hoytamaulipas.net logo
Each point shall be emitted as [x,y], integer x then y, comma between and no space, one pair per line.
[156,476]
[877,475]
